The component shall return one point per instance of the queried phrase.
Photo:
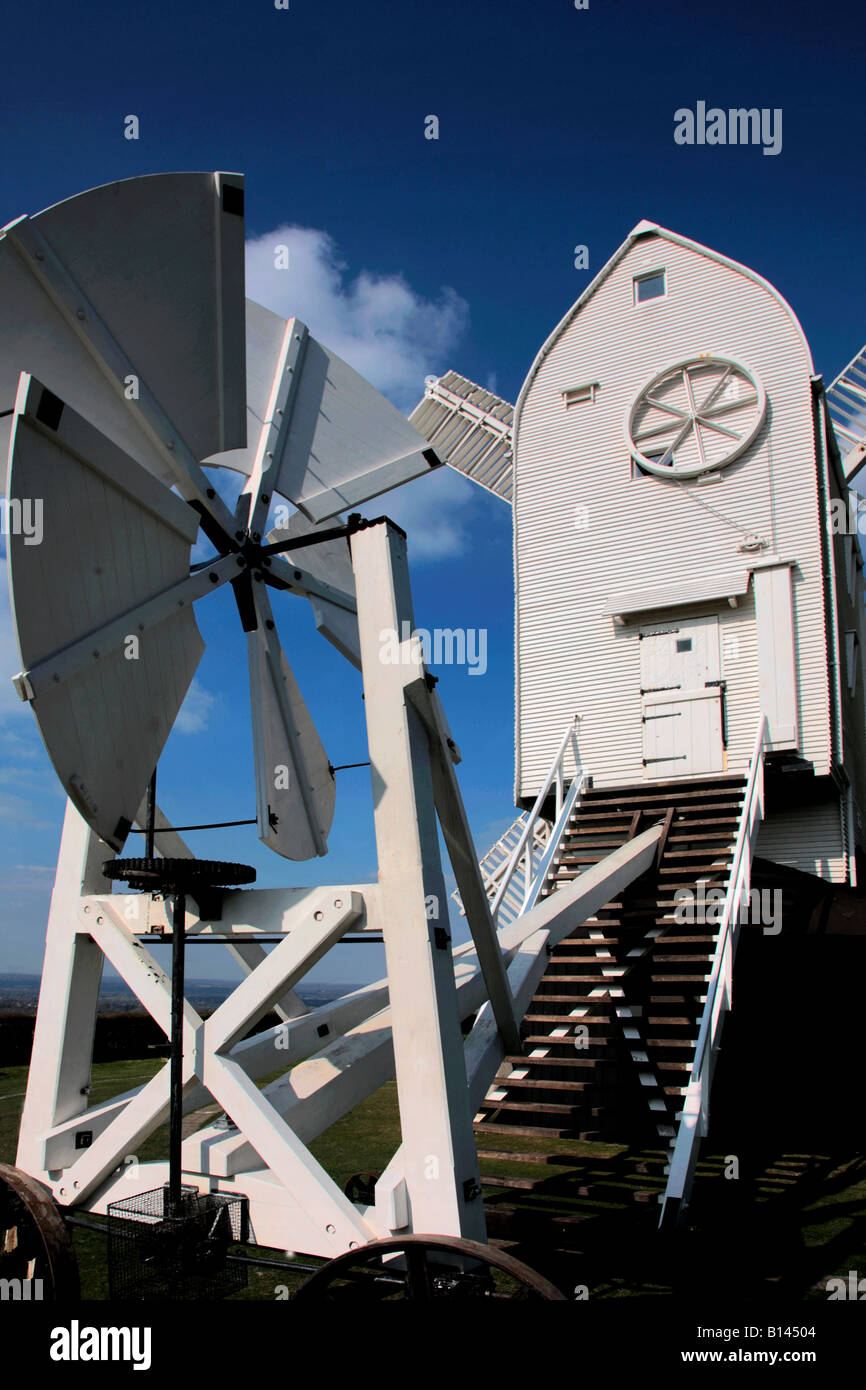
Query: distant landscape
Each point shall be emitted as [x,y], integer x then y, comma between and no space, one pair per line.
[19,994]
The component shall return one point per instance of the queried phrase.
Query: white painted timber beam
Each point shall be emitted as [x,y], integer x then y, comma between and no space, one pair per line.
[62,1053]
[248,912]
[285,965]
[120,1139]
[464,859]
[283,1153]
[250,956]
[484,1045]
[441,1163]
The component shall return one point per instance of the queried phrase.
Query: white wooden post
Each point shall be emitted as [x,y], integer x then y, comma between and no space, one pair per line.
[59,1078]
[440,1163]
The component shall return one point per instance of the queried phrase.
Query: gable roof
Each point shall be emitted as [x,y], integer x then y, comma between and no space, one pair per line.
[645,228]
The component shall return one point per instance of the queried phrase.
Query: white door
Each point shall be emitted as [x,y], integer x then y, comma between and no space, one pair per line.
[682,699]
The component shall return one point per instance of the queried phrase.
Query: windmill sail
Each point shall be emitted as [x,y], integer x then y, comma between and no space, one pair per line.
[341,441]
[129,293]
[295,790]
[330,562]
[846,399]
[470,429]
[110,537]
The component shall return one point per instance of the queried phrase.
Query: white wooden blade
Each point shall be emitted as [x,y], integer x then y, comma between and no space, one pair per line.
[148,271]
[340,441]
[265,336]
[331,562]
[110,537]
[295,789]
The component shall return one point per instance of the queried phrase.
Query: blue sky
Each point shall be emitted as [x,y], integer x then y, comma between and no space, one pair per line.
[410,256]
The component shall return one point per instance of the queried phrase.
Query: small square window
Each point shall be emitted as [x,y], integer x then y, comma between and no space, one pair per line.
[650,286]
[684,644]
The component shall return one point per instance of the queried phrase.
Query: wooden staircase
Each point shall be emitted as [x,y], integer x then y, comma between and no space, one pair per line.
[609,1037]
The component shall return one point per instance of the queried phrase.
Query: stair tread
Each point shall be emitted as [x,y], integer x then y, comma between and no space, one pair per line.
[587,979]
[521,1061]
[559,1019]
[540,1107]
[679,833]
[533,1131]
[531,1156]
[578,1000]
[702,854]
[507,1181]
[525,1082]
[709,779]
[636,799]
[667,957]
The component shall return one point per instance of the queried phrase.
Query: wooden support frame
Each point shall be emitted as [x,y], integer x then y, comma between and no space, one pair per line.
[438,1152]
[407,1025]
[312,1095]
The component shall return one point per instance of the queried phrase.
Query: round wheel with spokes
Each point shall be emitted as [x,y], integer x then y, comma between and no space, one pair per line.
[695,417]
[420,1268]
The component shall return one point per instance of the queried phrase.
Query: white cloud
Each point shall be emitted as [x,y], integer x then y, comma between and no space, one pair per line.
[195,711]
[394,337]
[378,323]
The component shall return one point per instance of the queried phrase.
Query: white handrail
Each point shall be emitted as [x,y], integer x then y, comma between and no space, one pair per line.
[694,1118]
[526,844]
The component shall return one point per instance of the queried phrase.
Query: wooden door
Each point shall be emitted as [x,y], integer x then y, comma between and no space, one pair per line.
[682,699]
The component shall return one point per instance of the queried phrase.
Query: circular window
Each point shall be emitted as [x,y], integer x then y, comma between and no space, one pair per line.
[695,417]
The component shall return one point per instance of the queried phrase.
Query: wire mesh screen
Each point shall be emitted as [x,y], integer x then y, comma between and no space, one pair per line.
[155,1254]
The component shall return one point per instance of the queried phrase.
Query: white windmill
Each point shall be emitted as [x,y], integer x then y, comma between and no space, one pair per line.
[686,564]
[128,359]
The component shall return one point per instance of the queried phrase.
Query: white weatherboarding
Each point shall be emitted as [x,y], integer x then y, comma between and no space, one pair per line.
[128,359]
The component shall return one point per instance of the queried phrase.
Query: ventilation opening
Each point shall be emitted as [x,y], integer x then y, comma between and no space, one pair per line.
[577,395]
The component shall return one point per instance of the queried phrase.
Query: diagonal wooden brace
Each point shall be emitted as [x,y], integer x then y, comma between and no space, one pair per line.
[464,860]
